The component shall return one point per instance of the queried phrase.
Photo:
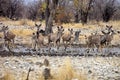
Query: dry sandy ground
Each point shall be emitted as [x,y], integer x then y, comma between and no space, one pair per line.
[92,68]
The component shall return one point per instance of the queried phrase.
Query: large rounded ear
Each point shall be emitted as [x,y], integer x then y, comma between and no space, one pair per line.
[107,26]
[40,25]
[103,32]
[3,27]
[58,27]
[111,26]
[6,28]
[36,24]
[118,32]
[71,29]
[68,29]
[33,33]
[61,27]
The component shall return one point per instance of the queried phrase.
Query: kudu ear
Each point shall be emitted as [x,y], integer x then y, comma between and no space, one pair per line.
[36,24]
[57,26]
[71,29]
[33,33]
[107,26]
[61,27]
[68,29]
[3,27]
[110,27]
[6,28]
[40,25]
[104,32]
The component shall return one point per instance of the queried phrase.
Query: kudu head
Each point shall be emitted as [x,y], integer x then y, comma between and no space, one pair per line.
[60,31]
[77,33]
[109,30]
[71,31]
[109,27]
[4,28]
[38,26]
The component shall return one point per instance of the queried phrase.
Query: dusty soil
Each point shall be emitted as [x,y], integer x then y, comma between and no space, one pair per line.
[93,68]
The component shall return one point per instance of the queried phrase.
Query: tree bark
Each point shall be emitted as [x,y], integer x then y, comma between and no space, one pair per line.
[49,14]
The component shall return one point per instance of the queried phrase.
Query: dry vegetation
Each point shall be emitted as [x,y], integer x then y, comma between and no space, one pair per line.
[67,72]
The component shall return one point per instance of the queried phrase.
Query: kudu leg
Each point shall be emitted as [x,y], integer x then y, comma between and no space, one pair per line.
[4,45]
[65,45]
[9,48]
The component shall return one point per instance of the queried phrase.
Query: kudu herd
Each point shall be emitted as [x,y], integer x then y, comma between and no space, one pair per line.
[40,39]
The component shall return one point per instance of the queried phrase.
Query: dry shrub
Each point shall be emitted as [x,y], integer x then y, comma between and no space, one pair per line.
[66,72]
[8,76]
[41,77]
[23,22]
[1,35]
[4,19]
[27,22]
[22,32]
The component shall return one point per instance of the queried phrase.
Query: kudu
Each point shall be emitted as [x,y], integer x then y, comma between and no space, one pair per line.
[8,36]
[67,37]
[100,40]
[38,38]
[56,37]
[108,37]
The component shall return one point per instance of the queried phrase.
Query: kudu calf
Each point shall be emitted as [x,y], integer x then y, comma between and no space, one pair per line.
[8,36]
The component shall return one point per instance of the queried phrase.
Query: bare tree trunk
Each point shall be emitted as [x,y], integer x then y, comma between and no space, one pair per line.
[49,14]
[109,11]
[84,13]
[77,17]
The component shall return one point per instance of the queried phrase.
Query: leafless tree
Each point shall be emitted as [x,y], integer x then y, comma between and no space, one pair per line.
[104,10]
[11,8]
